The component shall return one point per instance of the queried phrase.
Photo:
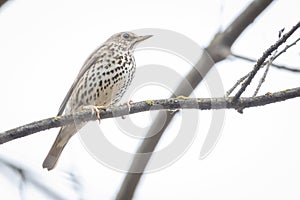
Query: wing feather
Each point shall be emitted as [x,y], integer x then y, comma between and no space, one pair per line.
[87,65]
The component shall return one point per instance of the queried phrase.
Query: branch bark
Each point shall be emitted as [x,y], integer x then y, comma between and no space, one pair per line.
[161,104]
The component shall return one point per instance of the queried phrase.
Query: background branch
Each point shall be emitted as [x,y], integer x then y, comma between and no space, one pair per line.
[2,2]
[292,69]
[30,176]
[218,50]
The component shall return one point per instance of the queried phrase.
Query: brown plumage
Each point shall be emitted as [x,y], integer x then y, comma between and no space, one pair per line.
[102,81]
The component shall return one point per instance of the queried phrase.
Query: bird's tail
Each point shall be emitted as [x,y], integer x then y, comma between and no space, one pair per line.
[60,142]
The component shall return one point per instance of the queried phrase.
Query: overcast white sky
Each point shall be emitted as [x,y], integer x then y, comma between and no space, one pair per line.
[43,46]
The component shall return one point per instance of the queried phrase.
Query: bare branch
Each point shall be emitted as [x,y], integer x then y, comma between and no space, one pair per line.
[236,84]
[261,60]
[286,48]
[162,104]
[263,78]
[268,63]
[292,69]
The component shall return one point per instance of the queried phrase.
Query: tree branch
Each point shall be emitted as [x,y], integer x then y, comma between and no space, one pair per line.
[162,104]
[268,63]
[261,60]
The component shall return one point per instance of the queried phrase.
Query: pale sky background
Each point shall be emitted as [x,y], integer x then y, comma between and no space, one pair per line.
[43,46]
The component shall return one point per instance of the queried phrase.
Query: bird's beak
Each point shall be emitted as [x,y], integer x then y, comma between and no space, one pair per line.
[142,38]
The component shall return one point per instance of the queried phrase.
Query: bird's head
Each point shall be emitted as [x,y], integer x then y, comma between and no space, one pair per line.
[126,40]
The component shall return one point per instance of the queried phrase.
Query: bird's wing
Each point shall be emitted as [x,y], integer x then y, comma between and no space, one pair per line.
[88,63]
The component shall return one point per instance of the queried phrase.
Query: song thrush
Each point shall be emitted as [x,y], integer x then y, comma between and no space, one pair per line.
[102,81]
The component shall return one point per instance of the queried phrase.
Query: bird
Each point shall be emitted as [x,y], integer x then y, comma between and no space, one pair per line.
[101,82]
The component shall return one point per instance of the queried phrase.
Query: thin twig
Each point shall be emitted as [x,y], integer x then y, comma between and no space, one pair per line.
[275,55]
[261,81]
[263,78]
[268,63]
[261,60]
[236,84]
[286,48]
[162,104]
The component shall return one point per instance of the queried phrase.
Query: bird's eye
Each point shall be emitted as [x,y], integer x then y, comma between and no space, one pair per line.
[126,35]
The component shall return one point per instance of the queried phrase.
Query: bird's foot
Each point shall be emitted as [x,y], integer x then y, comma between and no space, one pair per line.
[96,109]
[128,103]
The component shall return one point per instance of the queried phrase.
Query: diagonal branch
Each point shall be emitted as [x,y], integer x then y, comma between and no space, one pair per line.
[218,50]
[161,104]
[2,2]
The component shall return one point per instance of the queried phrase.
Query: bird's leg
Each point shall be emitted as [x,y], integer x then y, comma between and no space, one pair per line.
[128,103]
[95,108]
